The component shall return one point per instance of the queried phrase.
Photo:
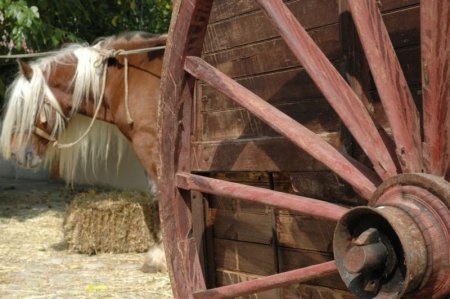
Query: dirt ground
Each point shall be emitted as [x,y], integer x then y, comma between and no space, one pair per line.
[35,264]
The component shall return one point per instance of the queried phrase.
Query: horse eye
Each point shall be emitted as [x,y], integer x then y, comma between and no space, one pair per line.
[112,61]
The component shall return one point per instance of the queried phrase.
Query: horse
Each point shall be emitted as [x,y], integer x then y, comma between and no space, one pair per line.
[117,80]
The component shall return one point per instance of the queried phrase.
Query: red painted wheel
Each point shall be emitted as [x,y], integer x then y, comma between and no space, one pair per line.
[400,242]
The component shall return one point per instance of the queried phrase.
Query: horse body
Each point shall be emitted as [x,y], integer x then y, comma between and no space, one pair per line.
[48,94]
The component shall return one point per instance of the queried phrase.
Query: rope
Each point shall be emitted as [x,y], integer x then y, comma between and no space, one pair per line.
[127,108]
[118,53]
[28,55]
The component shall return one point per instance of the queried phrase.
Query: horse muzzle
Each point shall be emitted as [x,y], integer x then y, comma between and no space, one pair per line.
[26,157]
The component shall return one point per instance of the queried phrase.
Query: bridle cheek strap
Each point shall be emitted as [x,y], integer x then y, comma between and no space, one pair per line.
[41,133]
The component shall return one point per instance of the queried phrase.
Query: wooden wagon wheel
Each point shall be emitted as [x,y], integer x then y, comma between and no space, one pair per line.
[400,242]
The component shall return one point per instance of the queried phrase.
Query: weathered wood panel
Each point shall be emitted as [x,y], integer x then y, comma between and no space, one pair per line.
[245,257]
[315,292]
[223,10]
[315,114]
[226,277]
[322,185]
[283,87]
[304,232]
[258,259]
[251,28]
[273,54]
[242,226]
[277,88]
[294,231]
[263,154]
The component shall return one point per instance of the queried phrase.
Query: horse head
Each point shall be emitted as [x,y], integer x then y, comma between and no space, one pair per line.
[43,97]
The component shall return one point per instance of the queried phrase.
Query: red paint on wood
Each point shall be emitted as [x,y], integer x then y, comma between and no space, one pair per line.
[391,84]
[346,167]
[304,205]
[185,37]
[339,94]
[270,282]
[435,47]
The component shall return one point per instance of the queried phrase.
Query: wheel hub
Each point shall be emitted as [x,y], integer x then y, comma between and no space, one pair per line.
[399,244]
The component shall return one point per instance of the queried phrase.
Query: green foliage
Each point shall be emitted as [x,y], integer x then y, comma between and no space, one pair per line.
[41,25]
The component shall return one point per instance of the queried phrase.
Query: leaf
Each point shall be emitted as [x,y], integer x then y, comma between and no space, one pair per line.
[114,21]
[133,5]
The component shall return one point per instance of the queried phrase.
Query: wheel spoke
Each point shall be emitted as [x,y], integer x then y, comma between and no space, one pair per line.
[300,204]
[269,282]
[391,84]
[338,93]
[356,174]
[435,43]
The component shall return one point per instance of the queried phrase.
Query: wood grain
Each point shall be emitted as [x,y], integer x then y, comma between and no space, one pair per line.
[435,32]
[391,83]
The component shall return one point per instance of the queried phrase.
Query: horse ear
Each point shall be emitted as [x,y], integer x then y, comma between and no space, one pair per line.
[25,69]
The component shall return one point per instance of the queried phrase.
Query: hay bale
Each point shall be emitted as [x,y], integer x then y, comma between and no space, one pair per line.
[114,222]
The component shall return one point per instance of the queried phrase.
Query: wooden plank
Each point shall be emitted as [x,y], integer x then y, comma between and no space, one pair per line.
[350,170]
[323,185]
[226,277]
[271,55]
[316,115]
[244,257]
[294,231]
[435,21]
[303,232]
[291,258]
[315,292]
[225,9]
[389,5]
[262,154]
[242,226]
[403,26]
[199,228]
[224,35]
[391,83]
[257,179]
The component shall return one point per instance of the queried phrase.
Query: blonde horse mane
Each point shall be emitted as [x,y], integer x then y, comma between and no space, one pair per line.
[91,151]
[26,98]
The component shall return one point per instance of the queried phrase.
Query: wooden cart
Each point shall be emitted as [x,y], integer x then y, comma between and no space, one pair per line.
[305,145]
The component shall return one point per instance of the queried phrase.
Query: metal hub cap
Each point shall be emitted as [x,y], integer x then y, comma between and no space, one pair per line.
[399,245]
